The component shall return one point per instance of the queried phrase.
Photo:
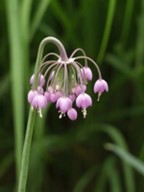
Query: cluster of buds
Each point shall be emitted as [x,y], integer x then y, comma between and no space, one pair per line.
[64,81]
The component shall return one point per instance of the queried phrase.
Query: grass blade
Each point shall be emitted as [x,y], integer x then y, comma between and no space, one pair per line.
[127,20]
[140,38]
[127,157]
[118,139]
[85,179]
[108,173]
[26,6]
[109,21]
[39,13]
[16,77]
[114,177]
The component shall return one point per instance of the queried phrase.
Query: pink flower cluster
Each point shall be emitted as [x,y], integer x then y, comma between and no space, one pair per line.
[64,83]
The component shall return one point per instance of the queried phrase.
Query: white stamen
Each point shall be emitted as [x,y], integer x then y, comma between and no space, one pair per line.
[40,113]
[60,116]
[84,112]
[99,94]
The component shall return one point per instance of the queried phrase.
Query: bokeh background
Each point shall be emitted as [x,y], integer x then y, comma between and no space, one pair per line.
[105,151]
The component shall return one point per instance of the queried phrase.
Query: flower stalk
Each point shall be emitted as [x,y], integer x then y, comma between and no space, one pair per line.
[32,113]
[62,81]
[26,151]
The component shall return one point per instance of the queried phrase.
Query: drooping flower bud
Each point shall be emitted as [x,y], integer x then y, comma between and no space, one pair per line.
[86,73]
[64,104]
[83,101]
[100,86]
[39,101]
[79,89]
[72,114]
[41,80]
[31,95]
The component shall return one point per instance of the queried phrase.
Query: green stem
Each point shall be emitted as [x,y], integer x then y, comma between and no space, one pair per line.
[41,49]
[57,43]
[26,151]
[32,114]
[110,16]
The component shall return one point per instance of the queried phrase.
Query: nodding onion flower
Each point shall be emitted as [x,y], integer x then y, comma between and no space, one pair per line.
[63,81]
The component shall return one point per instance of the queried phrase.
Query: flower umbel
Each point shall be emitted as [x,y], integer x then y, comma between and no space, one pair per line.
[64,81]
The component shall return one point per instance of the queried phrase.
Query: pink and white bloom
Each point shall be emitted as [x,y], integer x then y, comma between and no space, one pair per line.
[100,86]
[86,73]
[39,101]
[31,95]
[72,97]
[41,80]
[72,114]
[64,104]
[83,101]
[79,89]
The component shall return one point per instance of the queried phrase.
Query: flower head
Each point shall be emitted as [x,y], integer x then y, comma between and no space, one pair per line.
[63,81]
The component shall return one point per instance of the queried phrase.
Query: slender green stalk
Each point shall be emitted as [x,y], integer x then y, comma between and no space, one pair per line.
[26,151]
[16,77]
[109,21]
[32,114]
[41,48]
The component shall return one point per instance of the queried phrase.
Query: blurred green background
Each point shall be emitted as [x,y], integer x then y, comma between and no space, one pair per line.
[75,156]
